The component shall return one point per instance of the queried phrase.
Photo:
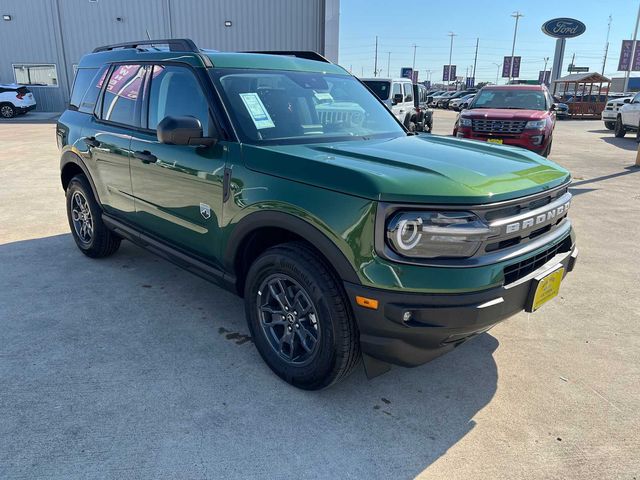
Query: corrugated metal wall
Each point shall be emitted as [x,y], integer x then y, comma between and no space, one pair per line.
[61,31]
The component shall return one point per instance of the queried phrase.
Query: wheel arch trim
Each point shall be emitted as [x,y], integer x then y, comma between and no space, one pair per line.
[302,228]
[70,157]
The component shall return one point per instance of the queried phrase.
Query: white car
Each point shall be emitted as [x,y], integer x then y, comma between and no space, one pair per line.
[628,118]
[15,99]
[461,103]
[610,112]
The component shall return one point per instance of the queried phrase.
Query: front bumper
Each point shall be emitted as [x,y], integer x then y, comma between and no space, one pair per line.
[609,115]
[438,322]
[523,140]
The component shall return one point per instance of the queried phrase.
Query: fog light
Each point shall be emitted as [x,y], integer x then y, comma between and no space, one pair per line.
[537,139]
[406,316]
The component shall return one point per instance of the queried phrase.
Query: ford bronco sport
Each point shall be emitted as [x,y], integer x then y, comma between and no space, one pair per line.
[283,179]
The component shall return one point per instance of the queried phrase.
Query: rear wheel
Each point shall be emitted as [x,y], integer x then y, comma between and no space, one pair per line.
[610,125]
[91,235]
[299,318]
[7,110]
[619,130]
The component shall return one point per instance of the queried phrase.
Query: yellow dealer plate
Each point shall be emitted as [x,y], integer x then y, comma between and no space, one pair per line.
[546,288]
[495,140]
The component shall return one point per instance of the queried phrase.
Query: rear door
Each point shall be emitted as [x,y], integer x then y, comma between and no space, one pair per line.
[107,137]
[178,188]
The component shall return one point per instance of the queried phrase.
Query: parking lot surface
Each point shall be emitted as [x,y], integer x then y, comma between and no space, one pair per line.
[129,367]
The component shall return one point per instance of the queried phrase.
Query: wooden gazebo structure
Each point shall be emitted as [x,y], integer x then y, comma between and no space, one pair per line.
[583,93]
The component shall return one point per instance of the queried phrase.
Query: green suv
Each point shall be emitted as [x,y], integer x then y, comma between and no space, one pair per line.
[281,177]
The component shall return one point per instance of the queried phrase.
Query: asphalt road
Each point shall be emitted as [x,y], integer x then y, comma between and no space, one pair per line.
[129,367]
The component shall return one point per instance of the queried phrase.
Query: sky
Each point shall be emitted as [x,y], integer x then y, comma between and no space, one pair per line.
[400,25]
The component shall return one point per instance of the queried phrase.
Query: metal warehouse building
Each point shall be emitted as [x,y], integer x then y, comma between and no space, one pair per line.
[41,41]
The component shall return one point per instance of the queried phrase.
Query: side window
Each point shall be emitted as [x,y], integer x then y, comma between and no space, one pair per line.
[636,99]
[175,91]
[397,90]
[120,103]
[86,88]
[408,92]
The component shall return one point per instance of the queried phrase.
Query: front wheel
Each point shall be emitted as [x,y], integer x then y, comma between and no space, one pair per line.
[299,318]
[619,130]
[610,125]
[91,235]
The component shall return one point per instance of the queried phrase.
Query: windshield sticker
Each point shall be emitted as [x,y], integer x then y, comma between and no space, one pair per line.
[323,96]
[257,110]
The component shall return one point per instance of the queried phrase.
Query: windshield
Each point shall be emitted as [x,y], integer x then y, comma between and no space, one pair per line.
[511,99]
[277,106]
[381,89]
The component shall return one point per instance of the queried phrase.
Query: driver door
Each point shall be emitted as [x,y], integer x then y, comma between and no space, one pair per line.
[178,188]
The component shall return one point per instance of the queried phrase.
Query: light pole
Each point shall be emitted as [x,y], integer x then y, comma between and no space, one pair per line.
[633,53]
[498,65]
[375,62]
[388,62]
[413,66]
[517,16]
[544,70]
[451,34]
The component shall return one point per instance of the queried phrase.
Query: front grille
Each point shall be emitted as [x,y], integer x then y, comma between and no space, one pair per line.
[609,107]
[521,269]
[498,126]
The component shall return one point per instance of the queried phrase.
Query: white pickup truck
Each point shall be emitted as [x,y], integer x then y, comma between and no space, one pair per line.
[628,118]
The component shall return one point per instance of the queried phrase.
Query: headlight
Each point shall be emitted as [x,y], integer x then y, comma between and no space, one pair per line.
[535,125]
[436,234]
[465,122]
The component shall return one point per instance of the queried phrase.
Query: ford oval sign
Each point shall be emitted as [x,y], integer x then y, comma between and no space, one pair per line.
[564,27]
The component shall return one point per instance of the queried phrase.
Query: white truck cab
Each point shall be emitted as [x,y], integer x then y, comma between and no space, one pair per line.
[397,95]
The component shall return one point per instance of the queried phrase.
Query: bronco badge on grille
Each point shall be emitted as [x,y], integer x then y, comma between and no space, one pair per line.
[541,216]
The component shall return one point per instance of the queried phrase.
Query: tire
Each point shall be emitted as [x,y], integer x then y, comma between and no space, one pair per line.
[547,151]
[638,133]
[7,110]
[91,235]
[619,130]
[610,125]
[411,126]
[333,348]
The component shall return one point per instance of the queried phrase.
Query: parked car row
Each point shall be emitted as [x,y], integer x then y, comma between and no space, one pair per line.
[445,99]
[15,100]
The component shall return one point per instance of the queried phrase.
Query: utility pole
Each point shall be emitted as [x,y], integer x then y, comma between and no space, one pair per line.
[606,45]
[375,62]
[475,62]
[388,63]
[544,70]
[413,67]
[450,34]
[633,53]
[498,65]
[517,16]
[573,62]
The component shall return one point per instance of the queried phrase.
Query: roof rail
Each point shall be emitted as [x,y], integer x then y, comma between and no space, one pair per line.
[175,45]
[309,55]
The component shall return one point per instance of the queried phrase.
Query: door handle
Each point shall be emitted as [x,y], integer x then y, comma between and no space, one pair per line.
[92,142]
[146,156]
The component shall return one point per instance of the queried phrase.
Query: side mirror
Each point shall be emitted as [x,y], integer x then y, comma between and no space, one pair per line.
[554,107]
[184,130]
[397,98]
[627,100]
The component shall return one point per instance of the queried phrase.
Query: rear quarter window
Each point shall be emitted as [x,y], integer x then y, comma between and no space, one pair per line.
[86,88]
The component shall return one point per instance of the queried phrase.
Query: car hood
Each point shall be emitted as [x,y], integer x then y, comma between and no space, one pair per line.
[505,114]
[413,169]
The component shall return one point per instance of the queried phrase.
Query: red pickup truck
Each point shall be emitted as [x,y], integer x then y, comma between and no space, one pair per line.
[520,115]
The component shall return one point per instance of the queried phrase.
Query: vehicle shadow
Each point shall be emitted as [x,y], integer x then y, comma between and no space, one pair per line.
[626,143]
[131,364]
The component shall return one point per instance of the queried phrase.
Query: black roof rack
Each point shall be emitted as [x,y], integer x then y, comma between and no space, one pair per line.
[174,44]
[309,55]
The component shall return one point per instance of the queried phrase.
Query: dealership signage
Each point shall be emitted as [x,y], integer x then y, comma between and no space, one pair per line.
[625,56]
[563,27]
[544,76]
[448,73]
[511,69]
[471,81]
